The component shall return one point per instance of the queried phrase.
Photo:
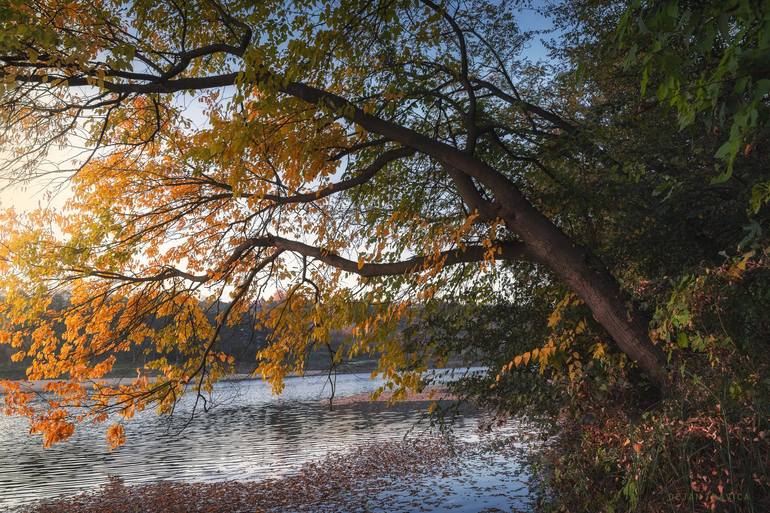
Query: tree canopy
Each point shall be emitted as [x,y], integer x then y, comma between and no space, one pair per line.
[322,167]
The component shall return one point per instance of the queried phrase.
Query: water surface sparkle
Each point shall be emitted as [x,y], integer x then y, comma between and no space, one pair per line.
[249,435]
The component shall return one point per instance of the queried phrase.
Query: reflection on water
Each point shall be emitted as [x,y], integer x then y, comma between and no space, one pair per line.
[248,435]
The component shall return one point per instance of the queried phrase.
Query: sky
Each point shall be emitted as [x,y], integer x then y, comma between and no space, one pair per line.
[28,196]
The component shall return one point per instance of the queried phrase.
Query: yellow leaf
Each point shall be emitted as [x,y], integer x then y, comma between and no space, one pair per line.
[554,318]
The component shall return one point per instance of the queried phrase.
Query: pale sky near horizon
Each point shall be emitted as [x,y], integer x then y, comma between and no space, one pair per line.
[29,196]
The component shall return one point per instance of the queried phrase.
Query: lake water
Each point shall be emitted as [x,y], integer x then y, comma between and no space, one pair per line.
[249,435]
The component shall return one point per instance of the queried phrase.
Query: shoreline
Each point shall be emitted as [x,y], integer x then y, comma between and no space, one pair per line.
[37,385]
[428,474]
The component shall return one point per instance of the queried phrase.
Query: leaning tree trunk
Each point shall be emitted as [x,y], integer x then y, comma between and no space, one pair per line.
[545,241]
[594,284]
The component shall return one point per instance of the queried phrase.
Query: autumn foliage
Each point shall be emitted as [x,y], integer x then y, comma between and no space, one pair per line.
[275,183]
[399,179]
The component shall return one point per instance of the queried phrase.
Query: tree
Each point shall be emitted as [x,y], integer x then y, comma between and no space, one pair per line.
[710,62]
[393,140]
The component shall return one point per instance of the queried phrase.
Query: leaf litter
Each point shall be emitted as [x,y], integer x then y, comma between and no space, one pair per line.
[422,474]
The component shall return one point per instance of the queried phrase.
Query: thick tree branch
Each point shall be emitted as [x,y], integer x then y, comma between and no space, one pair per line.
[157,86]
[508,250]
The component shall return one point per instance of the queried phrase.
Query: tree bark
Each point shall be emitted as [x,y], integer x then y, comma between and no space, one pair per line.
[596,286]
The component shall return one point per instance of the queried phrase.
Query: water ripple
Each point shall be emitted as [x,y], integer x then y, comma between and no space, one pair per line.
[249,435]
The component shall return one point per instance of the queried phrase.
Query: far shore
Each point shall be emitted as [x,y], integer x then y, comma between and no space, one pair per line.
[37,385]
